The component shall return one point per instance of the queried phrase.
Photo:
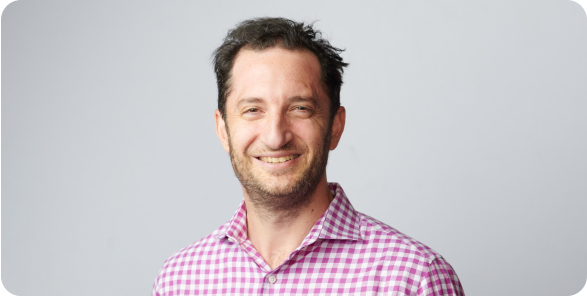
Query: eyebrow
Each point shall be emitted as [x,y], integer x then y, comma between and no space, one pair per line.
[249,101]
[303,99]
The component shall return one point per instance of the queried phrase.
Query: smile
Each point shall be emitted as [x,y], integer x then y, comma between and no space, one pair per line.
[278,159]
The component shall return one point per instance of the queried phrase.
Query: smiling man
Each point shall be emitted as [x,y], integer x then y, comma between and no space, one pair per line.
[278,117]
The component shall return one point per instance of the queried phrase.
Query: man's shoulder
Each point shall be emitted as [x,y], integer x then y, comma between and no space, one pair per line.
[200,249]
[380,233]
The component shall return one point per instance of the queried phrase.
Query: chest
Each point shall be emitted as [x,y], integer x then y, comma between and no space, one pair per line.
[320,269]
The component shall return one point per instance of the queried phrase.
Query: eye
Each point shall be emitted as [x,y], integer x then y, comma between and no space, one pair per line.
[252,113]
[302,111]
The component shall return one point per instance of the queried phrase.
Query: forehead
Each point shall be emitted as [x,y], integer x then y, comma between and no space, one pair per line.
[275,74]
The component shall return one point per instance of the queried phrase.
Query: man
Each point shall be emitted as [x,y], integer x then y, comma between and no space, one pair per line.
[278,116]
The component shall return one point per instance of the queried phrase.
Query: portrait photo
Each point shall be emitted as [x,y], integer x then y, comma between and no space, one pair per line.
[294,148]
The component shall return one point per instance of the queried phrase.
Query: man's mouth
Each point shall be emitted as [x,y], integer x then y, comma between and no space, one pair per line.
[278,159]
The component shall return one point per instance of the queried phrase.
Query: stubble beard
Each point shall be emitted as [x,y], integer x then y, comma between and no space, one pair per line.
[285,202]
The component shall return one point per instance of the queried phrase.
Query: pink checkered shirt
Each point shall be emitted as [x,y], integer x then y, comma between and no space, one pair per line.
[345,253]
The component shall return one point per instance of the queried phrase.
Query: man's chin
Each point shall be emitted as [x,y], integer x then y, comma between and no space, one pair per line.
[279,186]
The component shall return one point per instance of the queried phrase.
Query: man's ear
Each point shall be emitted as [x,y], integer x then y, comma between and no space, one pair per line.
[221,130]
[337,127]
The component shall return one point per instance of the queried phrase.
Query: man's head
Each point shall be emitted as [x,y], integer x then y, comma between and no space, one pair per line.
[275,114]
[264,33]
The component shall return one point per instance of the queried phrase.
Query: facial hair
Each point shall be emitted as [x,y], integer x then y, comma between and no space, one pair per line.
[288,201]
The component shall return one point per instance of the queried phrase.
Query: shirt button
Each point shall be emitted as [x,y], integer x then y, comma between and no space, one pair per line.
[272,279]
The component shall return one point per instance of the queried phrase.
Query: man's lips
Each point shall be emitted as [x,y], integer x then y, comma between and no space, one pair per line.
[280,159]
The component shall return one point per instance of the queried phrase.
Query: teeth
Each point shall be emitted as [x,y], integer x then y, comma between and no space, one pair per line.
[277,159]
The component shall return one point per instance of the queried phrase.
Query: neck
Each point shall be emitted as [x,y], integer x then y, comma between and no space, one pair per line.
[275,234]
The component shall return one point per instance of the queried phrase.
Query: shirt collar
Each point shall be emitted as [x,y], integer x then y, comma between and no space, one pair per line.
[340,221]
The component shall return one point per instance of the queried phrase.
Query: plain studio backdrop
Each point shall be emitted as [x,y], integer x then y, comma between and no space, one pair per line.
[466,129]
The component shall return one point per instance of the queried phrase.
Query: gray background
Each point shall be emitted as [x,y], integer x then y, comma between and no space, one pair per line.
[466,129]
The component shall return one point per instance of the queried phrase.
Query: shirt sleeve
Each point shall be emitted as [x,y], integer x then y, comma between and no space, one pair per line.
[156,288]
[440,280]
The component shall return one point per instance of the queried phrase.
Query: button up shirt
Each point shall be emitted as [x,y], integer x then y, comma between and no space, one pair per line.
[345,253]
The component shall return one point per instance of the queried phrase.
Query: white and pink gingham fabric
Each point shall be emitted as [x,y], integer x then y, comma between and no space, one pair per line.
[345,253]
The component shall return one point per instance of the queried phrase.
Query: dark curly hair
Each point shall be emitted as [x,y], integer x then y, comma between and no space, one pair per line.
[264,33]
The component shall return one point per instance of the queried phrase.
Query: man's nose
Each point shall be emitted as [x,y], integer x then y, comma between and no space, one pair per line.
[276,132]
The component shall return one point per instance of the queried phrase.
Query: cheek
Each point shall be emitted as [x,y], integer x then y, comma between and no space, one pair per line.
[308,132]
[243,136]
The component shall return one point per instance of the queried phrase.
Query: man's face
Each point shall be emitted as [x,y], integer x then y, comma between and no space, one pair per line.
[277,115]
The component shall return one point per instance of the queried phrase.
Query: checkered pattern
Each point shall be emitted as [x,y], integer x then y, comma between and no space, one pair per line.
[345,253]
